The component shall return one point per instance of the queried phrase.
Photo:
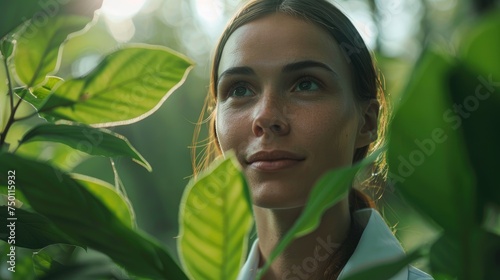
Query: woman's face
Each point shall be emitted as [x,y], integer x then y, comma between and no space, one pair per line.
[286,106]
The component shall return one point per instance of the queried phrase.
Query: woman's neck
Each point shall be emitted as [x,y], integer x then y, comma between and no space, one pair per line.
[305,255]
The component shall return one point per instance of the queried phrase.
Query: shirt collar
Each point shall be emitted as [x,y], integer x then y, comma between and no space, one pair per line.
[376,245]
[251,267]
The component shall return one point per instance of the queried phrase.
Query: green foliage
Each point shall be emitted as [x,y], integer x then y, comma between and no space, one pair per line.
[35,231]
[94,141]
[477,79]
[431,144]
[116,202]
[60,262]
[50,257]
[16,17]
[55,191]
[51,205]
[125,87]
[456,101]
[34,64]
[215,220]
[387,270]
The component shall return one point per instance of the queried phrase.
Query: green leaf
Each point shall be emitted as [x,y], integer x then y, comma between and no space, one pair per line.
[38,96]
[427,159]
[491,252]
[215,220]
[83,217]
[56,154]
[38,48]
[330,189]
[6,48]
[20,200]
[448,257]
[9,21]
[92,269]
[93,141]
[127,86]
[479,100]
[62,262]
[32,230]
[480,46]
[476,258]
[115,201]
[387,270]
[20,11]
[475,86]
[52,257]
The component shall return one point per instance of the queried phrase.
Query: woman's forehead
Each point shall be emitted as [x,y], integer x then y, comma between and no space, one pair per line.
[278,39]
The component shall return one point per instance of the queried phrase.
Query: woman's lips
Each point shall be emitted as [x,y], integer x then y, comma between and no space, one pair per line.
[274,165]
[273,160]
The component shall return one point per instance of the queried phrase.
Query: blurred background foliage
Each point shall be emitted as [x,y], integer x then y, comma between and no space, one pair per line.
[395,30]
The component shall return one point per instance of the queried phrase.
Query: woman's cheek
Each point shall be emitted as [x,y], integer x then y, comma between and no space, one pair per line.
[225,130]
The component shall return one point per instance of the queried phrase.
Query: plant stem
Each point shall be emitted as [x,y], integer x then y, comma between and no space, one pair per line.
[3,135]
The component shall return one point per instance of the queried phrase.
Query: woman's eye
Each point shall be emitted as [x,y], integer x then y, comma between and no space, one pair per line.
[306,85]
[240,91]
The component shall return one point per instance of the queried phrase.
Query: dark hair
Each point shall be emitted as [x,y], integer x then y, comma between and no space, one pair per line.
[366,85]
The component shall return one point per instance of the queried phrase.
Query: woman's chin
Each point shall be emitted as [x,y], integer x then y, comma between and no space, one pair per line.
[278,200]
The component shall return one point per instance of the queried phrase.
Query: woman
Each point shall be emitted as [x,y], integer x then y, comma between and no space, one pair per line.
[294,93]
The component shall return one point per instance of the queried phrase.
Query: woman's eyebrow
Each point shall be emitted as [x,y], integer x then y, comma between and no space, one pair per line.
[292,67]
[299,65]
[241,70]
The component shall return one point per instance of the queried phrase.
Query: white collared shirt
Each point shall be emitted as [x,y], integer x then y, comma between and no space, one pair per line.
[376,245]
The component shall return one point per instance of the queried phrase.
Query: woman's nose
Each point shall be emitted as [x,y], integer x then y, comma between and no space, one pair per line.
[270,117]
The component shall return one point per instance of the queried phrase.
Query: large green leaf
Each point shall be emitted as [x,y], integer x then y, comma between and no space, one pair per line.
[215,219]
[38,50]
[478,100]
[127,86]
[387,270]
[427,158]
[475,87]
[116,202]
[93,141]
[32,230]
[85,218]
[330,189]
[16,12]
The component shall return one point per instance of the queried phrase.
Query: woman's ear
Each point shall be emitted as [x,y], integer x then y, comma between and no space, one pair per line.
[368,124]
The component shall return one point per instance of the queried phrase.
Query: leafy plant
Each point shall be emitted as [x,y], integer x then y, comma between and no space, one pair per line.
[47,204]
